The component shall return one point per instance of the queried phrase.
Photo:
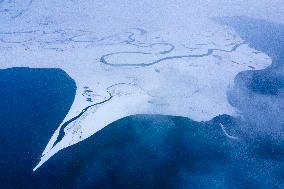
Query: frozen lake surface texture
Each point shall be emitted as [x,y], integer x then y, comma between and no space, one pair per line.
[142,94]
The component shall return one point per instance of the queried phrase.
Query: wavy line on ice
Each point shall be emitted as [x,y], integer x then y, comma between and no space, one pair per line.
[170,49]
[66,38]
[64,125]
[24,10]
[209,52]
[131,41]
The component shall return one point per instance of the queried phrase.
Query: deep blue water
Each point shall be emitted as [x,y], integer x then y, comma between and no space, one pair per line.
[166,152]
[33,102]
[149,151]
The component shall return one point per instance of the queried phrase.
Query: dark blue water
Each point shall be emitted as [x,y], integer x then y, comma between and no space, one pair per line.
[150,151]
[33,102]
[146,151]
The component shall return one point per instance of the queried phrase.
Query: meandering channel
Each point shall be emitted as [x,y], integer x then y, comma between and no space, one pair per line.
[209,52]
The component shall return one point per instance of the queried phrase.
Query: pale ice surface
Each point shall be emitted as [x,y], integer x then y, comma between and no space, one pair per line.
[132,57]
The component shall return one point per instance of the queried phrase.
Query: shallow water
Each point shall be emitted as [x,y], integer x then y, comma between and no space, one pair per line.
[266,37]
[259,94]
